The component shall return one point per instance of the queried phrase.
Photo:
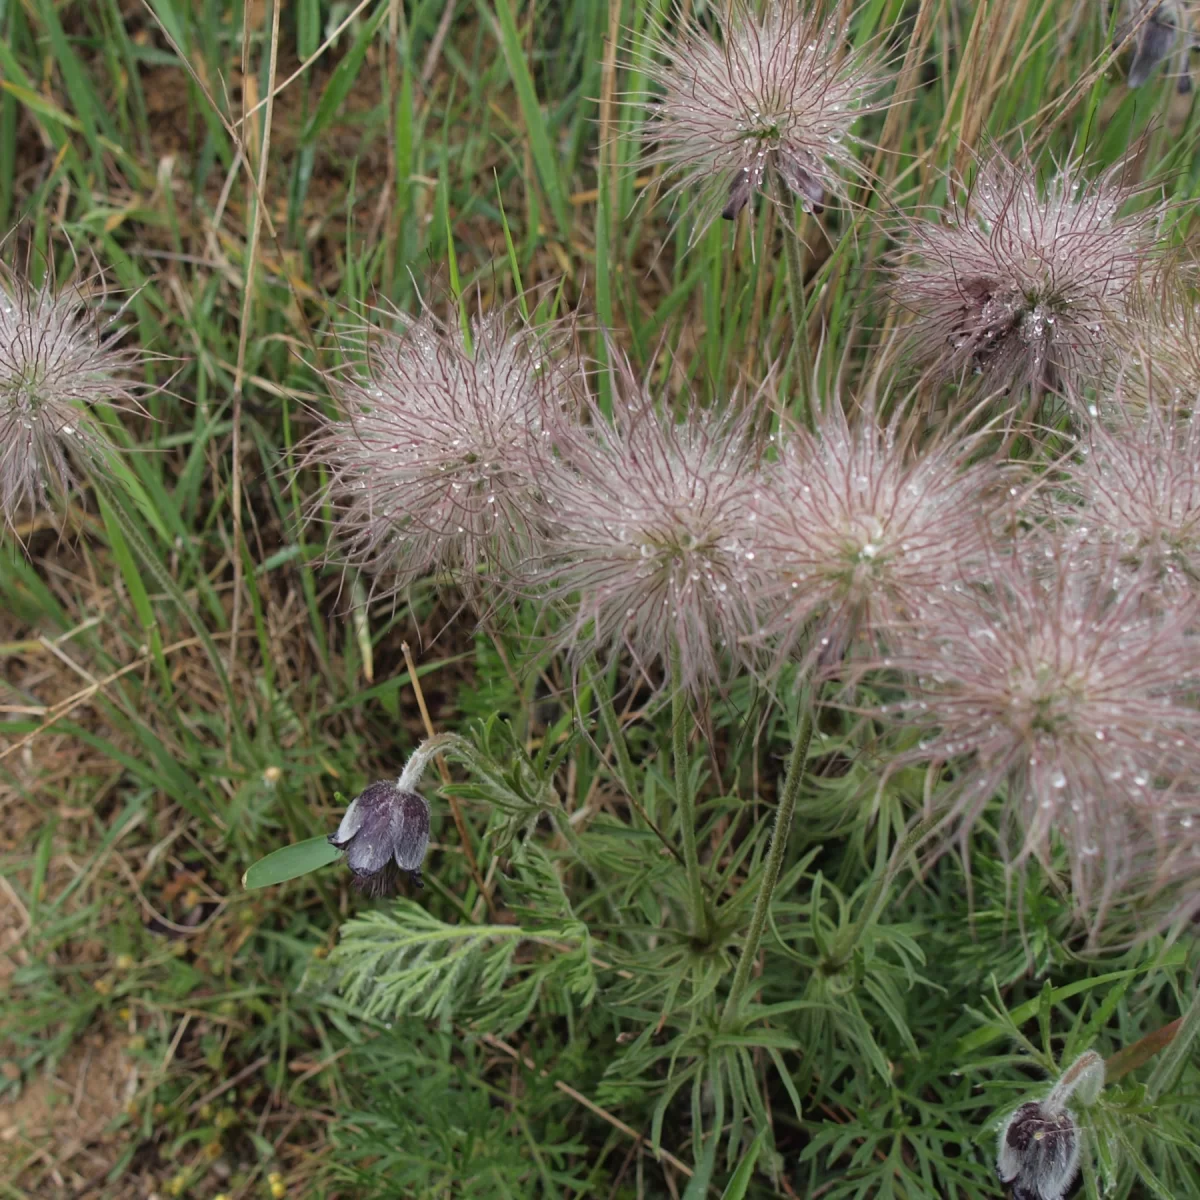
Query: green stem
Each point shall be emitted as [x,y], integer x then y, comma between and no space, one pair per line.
[911,839]
[793,248]
[686,801]
[625,771]
[779,840]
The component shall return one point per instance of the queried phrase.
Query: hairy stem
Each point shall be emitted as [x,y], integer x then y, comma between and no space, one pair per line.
[794,248]
[779,840]
[686,801]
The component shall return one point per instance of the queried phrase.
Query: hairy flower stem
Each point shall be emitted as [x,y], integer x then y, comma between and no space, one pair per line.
[701,922]
[779,841]
[795,277]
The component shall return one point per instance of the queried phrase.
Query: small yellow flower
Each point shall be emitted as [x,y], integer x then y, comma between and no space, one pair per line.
[277,1186]
[272,775]
[177,1186]
[124,962]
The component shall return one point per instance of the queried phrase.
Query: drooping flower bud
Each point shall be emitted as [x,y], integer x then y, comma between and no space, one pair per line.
[385,831]
[1038,1155]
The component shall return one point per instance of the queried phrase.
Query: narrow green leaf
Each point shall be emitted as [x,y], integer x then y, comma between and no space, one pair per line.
[290,862]
[531,110]
[739,1181]
[697,1187]
[342,79]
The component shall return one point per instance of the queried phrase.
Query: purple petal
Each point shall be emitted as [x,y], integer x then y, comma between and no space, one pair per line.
[351,823]
[374,840]
[412,839]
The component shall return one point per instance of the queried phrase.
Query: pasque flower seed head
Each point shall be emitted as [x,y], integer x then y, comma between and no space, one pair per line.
[1072,699]
[856,528]
[59,360]
[651,535]
[764,103]
[435,462]
[1022,284]
[1134,490]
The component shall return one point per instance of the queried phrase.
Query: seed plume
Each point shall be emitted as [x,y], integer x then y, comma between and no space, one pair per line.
[759,104]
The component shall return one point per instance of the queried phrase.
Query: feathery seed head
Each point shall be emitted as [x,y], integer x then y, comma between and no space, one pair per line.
[435,463]
[764,104]
[855,530]
[1025,285]
[651,528]
[1073,699]
[1159,359]
[1137,493]
[59,360]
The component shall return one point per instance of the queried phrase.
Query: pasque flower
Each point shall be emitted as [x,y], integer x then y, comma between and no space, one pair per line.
[435,462]
[60,360]
[762,103]
[857,527]
[651,534]
[1073,700]
[1024,285]
[386,829]
[1135,491]
[1039,1151]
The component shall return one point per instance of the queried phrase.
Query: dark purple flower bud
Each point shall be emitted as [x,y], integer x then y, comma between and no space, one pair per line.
[740,191]
[1039,1153]
[805,181]
[385,831]
[1154,42]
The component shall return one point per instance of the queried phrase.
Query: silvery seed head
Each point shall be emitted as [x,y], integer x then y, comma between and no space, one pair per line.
[1134,491]
[1058,689]
[651,535]
[1039,1149]
[1158,359]
[59,362]
[762,103]
[856,528]
[436,461]
[1022,284]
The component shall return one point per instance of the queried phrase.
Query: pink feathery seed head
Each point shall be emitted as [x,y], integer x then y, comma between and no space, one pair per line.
[1159,355]
[762,103]
[435,464]
[1069,697]
[1021,284]
[856,528]
[60,361]
[651,537]
[1134,490]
